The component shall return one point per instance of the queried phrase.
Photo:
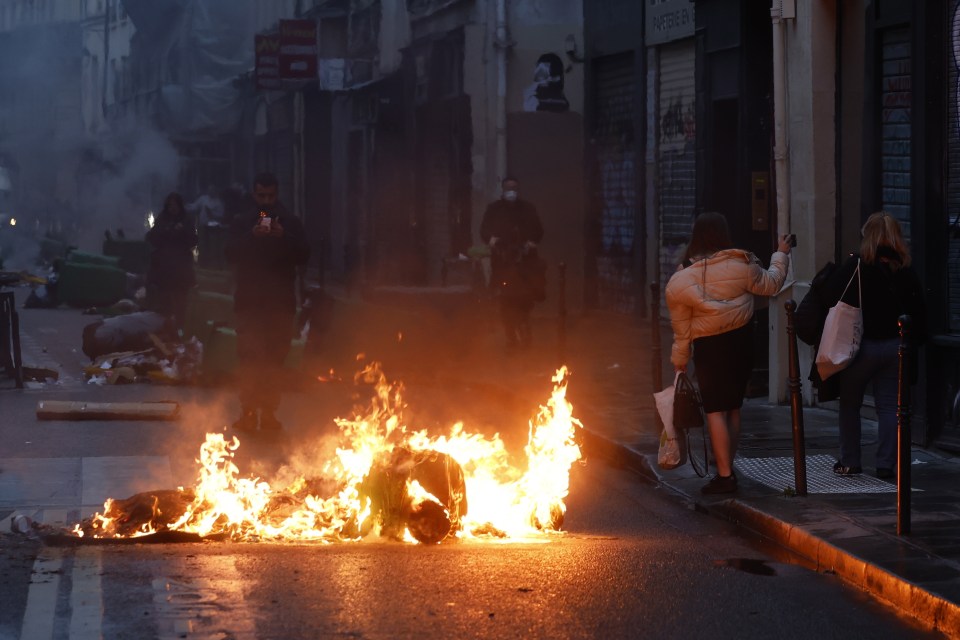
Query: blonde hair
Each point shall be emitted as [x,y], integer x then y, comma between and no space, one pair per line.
[883,230]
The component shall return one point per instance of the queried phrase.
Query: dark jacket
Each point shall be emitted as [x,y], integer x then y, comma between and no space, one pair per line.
[517,272]
[264,266]
[513,223]
[171,243]
[887,294]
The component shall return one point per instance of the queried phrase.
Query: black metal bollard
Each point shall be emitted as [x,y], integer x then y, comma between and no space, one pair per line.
[903,428]
[562,315]
[796,404]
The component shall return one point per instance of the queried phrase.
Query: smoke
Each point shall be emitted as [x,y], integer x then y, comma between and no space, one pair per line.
[138,166]
[67,181]
[77,172]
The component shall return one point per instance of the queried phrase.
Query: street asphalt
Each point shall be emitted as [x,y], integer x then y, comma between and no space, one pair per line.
[447,341]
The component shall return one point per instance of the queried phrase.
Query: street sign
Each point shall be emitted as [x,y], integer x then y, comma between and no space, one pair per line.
[298,50]
[267,61]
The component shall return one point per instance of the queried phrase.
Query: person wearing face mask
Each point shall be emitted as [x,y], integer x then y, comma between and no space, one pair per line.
[511,227]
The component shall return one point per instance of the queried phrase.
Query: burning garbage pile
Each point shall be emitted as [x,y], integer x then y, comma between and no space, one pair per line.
[385,480]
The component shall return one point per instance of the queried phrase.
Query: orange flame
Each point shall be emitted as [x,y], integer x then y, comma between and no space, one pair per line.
[503,501]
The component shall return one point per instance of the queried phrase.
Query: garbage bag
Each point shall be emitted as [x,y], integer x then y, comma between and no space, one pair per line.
[130,332]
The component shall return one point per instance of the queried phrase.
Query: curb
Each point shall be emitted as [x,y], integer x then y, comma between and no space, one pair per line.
[930,610]
[927,608]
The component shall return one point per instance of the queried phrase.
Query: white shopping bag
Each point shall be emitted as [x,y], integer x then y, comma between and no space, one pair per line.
[670,454]
[842,333]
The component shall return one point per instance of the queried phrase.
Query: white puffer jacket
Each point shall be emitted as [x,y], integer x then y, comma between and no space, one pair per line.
[715,295]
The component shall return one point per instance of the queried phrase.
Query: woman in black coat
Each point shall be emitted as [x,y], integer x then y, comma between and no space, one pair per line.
[890,288]
[170,275]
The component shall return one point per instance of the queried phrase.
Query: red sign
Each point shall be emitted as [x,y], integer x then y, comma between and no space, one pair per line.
[267,61]
[298,50]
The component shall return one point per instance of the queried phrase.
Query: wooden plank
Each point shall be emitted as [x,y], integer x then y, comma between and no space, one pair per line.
[66,410]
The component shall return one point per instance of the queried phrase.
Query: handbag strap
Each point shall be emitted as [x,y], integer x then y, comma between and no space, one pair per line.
[856,274]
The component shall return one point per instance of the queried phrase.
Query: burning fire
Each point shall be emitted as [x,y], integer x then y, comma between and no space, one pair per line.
[383,480]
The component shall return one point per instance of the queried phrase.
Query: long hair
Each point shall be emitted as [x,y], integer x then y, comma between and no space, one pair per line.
[173,198]
[883,230]
[710,234]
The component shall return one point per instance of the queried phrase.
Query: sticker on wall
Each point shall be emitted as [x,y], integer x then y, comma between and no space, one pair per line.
[546,92]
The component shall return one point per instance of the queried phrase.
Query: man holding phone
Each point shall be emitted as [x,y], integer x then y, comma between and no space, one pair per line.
[265,248]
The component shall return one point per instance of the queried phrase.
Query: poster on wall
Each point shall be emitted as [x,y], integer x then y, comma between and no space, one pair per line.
[546,91]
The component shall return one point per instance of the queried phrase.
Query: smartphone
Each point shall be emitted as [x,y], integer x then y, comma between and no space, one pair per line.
[793,239]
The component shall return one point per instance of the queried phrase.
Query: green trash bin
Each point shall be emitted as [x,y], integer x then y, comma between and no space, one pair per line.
[133,255]
[211,246]
[85,257]
[88,284]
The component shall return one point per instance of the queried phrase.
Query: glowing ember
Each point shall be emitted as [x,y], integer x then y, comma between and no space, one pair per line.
[383,480]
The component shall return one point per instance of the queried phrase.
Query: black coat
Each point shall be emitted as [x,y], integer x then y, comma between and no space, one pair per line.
[265,267]
[886,295]
[518,272]
[171,243]
[513,223]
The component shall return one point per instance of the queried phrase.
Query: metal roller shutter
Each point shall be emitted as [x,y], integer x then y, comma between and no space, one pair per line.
[895,99]
[617,181]
[677,133]
[952,179]
[676,160]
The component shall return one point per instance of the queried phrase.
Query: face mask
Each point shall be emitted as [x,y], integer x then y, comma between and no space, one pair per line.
[510,196]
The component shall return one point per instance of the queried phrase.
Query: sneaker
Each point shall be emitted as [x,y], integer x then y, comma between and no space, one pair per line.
[842,470]
[720,484]
[247,422]
[885,473]
[269,422]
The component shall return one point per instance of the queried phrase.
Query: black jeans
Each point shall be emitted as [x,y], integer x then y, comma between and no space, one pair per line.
[263,340]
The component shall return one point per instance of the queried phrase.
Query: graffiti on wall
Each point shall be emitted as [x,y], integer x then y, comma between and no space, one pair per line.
[678,122]
[618,197]
[546,91]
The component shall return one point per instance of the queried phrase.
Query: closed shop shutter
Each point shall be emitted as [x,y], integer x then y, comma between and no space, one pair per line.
[676,161]
[677,134]
[616,182]
[952,179]
[895,99]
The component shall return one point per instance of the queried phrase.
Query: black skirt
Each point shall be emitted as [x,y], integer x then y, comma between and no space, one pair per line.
[723,364]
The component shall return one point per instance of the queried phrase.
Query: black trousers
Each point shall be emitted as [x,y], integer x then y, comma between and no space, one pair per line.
[263,341]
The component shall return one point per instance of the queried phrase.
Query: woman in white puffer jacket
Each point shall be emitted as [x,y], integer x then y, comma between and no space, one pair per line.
[710,299]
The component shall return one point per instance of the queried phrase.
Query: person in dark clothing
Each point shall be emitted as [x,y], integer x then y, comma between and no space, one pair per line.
[170,275]
[512,228]
[266,246]
[889,288]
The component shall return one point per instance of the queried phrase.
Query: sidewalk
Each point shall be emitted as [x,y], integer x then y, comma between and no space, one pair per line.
[847,526]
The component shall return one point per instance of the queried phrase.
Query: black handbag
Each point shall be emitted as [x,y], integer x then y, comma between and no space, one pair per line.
[687,407]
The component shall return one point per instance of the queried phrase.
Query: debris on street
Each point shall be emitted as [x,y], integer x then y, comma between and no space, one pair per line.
[40,374]
[67,410]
